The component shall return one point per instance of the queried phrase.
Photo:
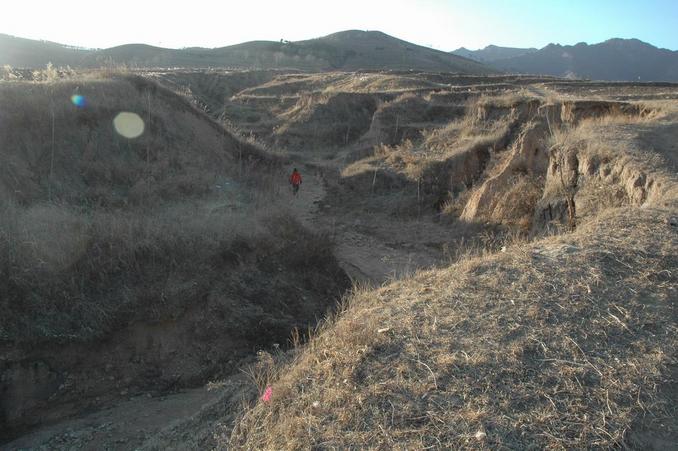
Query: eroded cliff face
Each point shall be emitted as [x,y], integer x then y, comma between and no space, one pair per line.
[552,173]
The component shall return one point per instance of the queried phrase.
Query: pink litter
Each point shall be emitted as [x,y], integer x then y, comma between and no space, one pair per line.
[266,397]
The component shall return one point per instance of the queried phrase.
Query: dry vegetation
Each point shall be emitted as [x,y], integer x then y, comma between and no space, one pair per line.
[559,344]
[563,342]
[550,323]
[108,270]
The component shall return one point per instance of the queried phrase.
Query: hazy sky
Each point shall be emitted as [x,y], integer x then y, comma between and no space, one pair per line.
[442,24]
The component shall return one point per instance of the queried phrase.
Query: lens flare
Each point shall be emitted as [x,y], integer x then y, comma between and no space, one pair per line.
[78,100]
[129,125]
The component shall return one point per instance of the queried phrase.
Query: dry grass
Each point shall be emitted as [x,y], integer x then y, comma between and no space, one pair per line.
[507,100]
[109,269]
[614,169]
[461,135]
[444,162]
[557,344]
[56,151]
[377,82]
[436,144]
[325,120]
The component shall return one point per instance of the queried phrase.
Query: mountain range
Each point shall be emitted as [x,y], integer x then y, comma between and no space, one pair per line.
[614,59]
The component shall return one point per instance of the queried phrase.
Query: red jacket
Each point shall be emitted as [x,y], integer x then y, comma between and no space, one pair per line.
[295,178]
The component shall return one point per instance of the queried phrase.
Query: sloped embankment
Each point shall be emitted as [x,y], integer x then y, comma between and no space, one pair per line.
[510,161]
[141,263]
[564,342]
[314,121]
[561,162]
[54,149]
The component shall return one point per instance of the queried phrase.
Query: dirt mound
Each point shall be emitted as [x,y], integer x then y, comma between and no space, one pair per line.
[528,186]
[597,175]
[405,117]
[575,111]
[296,84]
[124,327]
[440,161]
[523,173]
[488,160]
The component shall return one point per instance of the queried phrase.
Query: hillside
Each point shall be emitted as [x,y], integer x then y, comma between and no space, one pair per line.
[375,50]
[348,50]
[19,52]
[143,248]
[615,59]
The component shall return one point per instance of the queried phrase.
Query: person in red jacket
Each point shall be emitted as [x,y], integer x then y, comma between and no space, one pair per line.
[295,181]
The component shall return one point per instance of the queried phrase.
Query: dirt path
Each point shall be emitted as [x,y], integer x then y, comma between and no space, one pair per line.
[366,257]
[183,420]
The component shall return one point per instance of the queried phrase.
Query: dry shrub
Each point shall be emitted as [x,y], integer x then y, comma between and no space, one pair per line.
[516,206]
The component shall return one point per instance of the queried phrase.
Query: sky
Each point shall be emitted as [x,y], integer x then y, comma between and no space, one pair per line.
[440,24]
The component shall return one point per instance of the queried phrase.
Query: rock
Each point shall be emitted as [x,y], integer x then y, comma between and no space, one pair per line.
[555,252]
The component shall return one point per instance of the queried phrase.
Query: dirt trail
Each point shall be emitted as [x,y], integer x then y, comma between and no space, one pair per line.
[144,422]
[370,248]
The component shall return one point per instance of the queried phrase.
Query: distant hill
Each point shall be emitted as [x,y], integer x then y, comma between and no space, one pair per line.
[492,53]
[28,53]
[375,50]
[347,50]
[614,59]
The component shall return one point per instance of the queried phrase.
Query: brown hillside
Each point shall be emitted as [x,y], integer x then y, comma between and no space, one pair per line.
[141,264]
